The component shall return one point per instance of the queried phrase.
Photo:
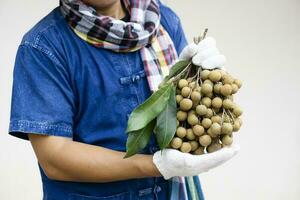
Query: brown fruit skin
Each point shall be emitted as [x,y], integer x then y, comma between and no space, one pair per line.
[178,98]
[194,145]
[238,83]
[192,85]
[216,128]
[213,147]
[206,101]
[226,90]
[217,88]
[227,140]
[206,123]
[206,88]
[227,79]
[236,126]
[181,116]
[217,102]
[235,88]
[192,120]
[228,104]
[195,96]
[198,130]
[216,119]
[237,111]
[199,151]
[208,82]
[205,140]
[190,135]
[182,83]
[209,113]
[227,128]
[186,104]
[215,76]
[201,110]
[185,147]
[204,74]
[176,142]
[181,132]
[185,91]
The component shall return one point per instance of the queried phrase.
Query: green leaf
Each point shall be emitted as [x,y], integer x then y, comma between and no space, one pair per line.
[137,140]
[166,122]
[176,69]
[150,109]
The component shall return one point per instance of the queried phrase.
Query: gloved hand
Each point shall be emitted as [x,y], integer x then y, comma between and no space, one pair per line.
[171,162]
[204,54]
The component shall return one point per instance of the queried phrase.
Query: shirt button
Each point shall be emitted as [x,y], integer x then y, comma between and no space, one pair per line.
[157,189]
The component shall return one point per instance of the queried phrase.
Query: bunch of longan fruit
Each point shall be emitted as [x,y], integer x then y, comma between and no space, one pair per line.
[206,113]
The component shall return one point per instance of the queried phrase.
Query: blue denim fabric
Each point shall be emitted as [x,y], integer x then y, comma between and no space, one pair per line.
[66,87]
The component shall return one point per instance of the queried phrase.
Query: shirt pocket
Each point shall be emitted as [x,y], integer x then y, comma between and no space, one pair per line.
[120,196]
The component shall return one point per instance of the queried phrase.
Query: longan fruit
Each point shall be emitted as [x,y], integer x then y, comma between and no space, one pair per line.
[204,74]
[206,101]
[177,123]
[230,97]
[227,140]
[186,104]
[227,79]
[198,130]
[216,119]
[217,88]
[238,83]
[194,145]
[210,95]
[240,121]
[228,104]
[189,79]
[215,128]
[235,88]
[198,88]
[205,140]
[181,115]
[185,91]
[201,110]
[211,134]
[190,135]
[182,83]
[213,147]
[185,147]
[192,85]
[206,122]
[179,97]
[208,82]
[206,88]
[226,90]
[215,76]
[176,142]
[237,111]
[216,102]
[195,96]
[199,151]
[227,128]
[192,120]
[236,126]
[181,132]
[192,112]
[209,113]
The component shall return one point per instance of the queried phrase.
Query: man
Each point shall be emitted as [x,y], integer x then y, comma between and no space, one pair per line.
[78,75]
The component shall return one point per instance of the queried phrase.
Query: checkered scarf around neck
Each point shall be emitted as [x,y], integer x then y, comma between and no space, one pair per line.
[143,32]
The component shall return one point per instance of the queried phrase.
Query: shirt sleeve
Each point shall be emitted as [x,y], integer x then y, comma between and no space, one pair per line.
[42,96]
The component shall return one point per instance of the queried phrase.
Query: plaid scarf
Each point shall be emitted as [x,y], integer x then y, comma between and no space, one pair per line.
[143,33]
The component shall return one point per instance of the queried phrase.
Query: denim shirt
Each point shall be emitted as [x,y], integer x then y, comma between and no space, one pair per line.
[66,87]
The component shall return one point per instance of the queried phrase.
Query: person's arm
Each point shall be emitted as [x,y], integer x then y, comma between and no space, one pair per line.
[66,160]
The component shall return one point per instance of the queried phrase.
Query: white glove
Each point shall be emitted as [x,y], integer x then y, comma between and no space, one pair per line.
[171,162]
[204,54]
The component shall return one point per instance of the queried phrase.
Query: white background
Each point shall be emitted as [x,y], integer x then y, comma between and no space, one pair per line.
[261,40]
